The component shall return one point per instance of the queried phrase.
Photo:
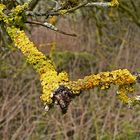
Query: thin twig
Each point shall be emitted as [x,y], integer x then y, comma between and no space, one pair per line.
[51,27]
[68,10]
[99,4]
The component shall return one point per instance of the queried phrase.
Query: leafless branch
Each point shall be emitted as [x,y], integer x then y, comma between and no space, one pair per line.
[51,27]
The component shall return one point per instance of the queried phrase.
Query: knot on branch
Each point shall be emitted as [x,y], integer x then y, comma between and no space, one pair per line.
[62,97]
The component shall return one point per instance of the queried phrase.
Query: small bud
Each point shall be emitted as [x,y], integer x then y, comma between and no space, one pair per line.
[51,95]
[137,98]
[46,108]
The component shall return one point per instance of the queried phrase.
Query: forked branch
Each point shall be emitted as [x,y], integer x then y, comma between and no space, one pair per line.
[57,88]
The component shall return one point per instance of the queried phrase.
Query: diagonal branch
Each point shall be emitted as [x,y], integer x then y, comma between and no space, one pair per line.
[51,27]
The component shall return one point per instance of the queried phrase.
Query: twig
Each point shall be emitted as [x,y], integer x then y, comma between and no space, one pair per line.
[67,10]
[51,27]
[62,11]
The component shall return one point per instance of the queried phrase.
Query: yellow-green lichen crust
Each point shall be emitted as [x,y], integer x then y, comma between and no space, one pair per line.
[114,3]
[122,77]
[49,78]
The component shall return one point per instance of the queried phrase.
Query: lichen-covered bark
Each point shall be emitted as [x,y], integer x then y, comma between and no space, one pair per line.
[122,78]
[51,80]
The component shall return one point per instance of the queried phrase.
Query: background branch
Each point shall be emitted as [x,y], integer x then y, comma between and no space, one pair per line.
[51,27]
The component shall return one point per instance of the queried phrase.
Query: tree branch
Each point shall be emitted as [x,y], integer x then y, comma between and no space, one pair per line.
[57,88]
[51,27]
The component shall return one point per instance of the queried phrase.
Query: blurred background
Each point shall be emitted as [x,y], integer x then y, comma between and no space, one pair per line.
[107,39]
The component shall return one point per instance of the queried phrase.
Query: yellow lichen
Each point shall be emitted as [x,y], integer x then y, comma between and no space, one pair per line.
[62,12]
[2,15]
[114,3]
[50,79]
[123,78]
[2,7]
[123,91]
[103,80]
[20,8]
